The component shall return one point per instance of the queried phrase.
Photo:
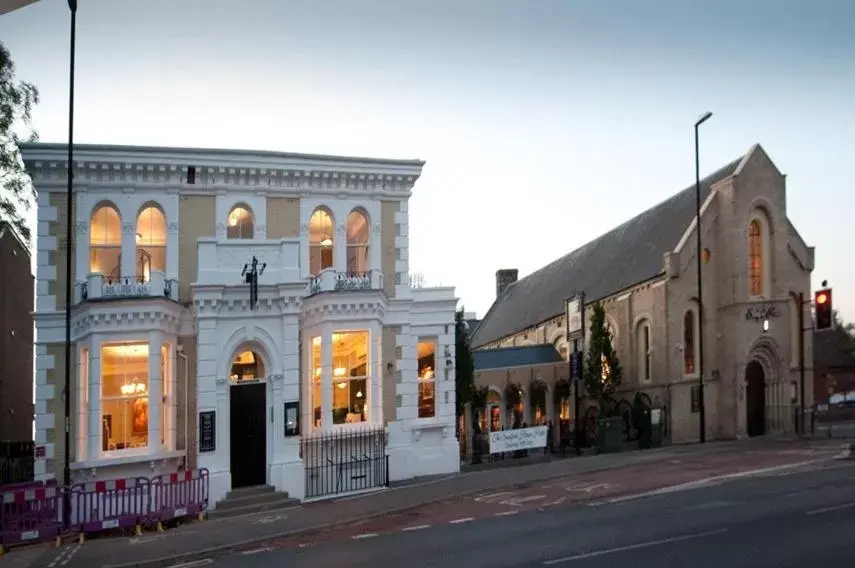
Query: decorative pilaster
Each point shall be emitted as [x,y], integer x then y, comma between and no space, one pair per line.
[326,377]
[155,391]
[95,443]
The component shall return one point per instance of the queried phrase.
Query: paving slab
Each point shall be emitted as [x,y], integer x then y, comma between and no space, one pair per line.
[221,536]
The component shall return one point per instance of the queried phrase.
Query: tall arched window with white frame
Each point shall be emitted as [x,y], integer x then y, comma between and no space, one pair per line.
[358,235]
[321,240]
[105,242]
[240,224]
[643,352]
[151,242]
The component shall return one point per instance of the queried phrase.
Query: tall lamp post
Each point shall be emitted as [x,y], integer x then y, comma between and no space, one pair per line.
[66,472]
[702,414]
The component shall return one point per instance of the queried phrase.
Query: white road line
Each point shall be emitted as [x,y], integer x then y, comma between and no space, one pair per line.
[463,520]
[830,509]
[306,545]
[416,528]
[490,496]
[193,563]
[633,547]
[366,535]
[505,513]
[256,551]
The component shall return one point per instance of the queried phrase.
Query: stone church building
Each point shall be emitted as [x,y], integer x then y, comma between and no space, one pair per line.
[754,265]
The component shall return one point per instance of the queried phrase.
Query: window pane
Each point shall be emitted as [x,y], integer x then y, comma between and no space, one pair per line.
[105,227]
[106,261]
[426,351]
[240,224]
[689,343]
[247,366]
[124,396]
[350,376]
[357,259]
[150,258]
[315,377]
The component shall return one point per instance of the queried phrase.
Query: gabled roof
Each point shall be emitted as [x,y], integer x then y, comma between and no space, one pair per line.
[7,228]
[627,255]
[521,356]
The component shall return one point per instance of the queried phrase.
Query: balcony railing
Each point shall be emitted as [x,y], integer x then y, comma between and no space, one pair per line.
[330,280]
[99,287]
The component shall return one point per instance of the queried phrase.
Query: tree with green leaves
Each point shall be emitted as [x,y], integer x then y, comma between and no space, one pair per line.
[17,99]
[464,376]
[845,330]
[602,373]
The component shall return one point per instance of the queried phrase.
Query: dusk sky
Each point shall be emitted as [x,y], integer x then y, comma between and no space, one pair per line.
[544,123]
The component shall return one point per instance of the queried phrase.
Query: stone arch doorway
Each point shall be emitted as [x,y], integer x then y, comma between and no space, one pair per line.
[755,399]
[248,427]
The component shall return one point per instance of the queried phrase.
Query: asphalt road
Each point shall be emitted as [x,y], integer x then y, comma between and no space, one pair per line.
[788,519]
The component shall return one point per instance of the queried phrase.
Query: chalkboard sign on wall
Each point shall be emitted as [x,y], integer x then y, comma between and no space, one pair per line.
[207,431]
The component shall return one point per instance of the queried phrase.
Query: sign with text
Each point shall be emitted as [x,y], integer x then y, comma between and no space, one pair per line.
[575,324]
[207,431]
[519,439]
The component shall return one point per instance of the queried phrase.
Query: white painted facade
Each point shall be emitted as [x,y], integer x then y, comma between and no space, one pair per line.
[293,306]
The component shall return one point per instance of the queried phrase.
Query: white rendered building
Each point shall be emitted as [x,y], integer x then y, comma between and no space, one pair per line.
[337,363]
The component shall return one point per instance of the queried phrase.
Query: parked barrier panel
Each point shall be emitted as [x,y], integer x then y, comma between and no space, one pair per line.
[180,494]
[29,514]
[115,504]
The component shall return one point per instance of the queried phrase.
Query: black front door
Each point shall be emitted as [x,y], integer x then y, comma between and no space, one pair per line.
[755,399]
[248,435]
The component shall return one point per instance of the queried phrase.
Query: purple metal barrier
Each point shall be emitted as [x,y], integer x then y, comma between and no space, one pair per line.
[103,505]
[180,494]
[29,513]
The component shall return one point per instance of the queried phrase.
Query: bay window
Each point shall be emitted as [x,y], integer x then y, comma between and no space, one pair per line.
[124,396]
[427,378]
[350,376]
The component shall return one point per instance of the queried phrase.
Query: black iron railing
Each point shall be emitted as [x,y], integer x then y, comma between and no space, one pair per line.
[345,460]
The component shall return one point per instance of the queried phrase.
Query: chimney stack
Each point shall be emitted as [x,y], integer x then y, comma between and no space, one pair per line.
[504,278]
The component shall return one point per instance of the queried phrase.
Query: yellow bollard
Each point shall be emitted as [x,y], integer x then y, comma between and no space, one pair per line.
[2,550]
[137,530]
[201,517]
[81,538]
[58,542]
[159,526]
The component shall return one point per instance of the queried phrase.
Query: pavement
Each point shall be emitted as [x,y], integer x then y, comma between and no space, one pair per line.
[472,495]
[784,518]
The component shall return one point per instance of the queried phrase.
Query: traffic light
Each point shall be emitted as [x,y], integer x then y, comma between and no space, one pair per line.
[822,305]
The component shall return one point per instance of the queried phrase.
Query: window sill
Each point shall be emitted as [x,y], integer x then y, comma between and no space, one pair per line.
[427,423]
[117,458]
[695,376]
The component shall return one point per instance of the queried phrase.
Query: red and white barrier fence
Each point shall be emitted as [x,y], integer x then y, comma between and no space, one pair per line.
[33,512]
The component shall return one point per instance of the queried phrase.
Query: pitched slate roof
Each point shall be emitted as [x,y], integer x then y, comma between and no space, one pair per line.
[521,356]
[627,255]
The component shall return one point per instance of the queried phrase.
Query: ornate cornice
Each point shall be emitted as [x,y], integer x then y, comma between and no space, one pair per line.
[239,306]
[153,316]
[132,168]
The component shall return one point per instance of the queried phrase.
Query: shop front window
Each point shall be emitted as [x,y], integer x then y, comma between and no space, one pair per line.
[317,401]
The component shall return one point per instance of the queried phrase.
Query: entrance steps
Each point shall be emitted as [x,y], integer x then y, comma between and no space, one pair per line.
[249,500]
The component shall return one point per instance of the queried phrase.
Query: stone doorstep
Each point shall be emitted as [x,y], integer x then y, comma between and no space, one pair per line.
[641,459]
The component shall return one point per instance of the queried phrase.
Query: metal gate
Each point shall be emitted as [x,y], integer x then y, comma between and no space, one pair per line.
[346,460]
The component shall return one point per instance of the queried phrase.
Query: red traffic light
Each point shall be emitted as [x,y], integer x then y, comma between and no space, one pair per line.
[821,298]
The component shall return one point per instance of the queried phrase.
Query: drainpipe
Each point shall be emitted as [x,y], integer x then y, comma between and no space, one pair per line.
[180,353]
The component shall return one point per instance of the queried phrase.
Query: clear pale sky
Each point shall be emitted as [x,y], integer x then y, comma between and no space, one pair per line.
[544,123]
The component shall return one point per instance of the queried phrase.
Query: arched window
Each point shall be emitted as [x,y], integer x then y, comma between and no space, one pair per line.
[561,346]
[357,243]
[689,347]
[643,351]
[321,241]
[247,366]
[105,242]
[240,223]
[151,242]
[755,258]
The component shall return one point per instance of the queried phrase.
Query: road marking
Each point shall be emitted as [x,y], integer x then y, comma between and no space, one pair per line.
[366,535]
[306,545]
[256,551]
[830,509]
[416,528]
[587,487]
[463,520]
[193,563]
[505,513]
[520,501]
[711,505]
[268,520]
[488,498]
[556,502]
[628,547]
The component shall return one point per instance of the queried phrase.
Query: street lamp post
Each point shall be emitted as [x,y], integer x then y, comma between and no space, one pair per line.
[66,472]
[702,414]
